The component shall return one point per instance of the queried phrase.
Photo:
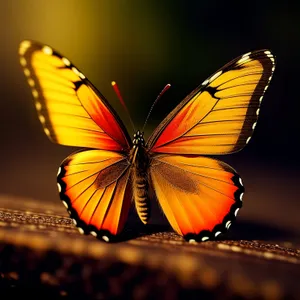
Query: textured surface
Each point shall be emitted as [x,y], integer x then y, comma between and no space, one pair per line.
[41,248]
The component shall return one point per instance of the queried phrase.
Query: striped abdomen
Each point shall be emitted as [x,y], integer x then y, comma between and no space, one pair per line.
[140,194]
[140,184]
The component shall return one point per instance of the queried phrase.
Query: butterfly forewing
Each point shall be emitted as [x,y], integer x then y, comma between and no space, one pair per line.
[70,109]
[219,116]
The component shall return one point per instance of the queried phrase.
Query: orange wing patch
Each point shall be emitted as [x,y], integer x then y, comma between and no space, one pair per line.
[219,116]
[94,185]
[70,108]
[200,196]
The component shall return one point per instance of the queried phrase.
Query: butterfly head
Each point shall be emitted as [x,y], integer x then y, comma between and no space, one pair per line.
[138,139]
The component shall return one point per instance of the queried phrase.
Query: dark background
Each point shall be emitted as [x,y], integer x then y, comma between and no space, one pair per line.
[143,45]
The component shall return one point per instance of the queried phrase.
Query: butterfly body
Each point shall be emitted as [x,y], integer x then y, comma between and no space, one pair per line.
[139,176]
[199,195]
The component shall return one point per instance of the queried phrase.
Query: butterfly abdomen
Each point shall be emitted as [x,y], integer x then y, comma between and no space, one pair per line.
[140,189]
[140,184]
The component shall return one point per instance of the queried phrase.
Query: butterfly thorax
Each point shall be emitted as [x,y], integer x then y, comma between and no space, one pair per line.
[140,162]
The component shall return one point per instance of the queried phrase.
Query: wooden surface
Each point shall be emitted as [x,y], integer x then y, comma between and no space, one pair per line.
[42,255]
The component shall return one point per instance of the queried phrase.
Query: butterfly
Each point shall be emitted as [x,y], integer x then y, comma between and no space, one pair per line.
[200,196]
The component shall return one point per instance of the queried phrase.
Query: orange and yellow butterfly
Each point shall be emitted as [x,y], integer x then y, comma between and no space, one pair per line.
[200,196]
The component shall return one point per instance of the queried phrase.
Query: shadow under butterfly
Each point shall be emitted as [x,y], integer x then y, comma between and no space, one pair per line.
[200,196]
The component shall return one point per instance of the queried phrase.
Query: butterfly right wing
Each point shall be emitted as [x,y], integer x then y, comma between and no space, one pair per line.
[71,110]
[95,187]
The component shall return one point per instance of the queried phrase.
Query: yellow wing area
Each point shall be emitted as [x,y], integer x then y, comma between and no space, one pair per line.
[94,185]
[219,116]
[200,196]
[70,109]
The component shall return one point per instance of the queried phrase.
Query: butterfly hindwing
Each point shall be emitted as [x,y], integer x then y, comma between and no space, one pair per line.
[200,196]
[219,116]
[69,107]
[94,185]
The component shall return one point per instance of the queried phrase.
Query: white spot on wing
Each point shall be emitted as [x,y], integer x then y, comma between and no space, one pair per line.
[59,187]
[35,94]
[66,61]
[75,71]
[228,224]
[247,54]
[58,171]
[65,204]
[31,82]
[241,196]
[248,139]
[46,130]
[23,47]
[217,233]
[215,76]
[81,231]
[105,238]
[74,222]
[236,211]
[205,238]
[42,119]
[260,99]
[254,125]
[38,105]
[192,241]
[26,72]
[205,82]
[81,76]
[23,61]
[93,233]
[25,44]
[267,52]
[243,59]
[257,112]
[47,50]
[240,180]
[22,50]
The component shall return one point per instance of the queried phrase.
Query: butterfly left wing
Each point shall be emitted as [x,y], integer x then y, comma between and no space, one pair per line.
[72,111]
[200,196]
[95,187]
[219,116]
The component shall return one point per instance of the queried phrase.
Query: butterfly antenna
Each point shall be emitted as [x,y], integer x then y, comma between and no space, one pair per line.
[117,91]
[156,100]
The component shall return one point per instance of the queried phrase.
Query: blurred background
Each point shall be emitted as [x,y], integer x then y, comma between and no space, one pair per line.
[144,45]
